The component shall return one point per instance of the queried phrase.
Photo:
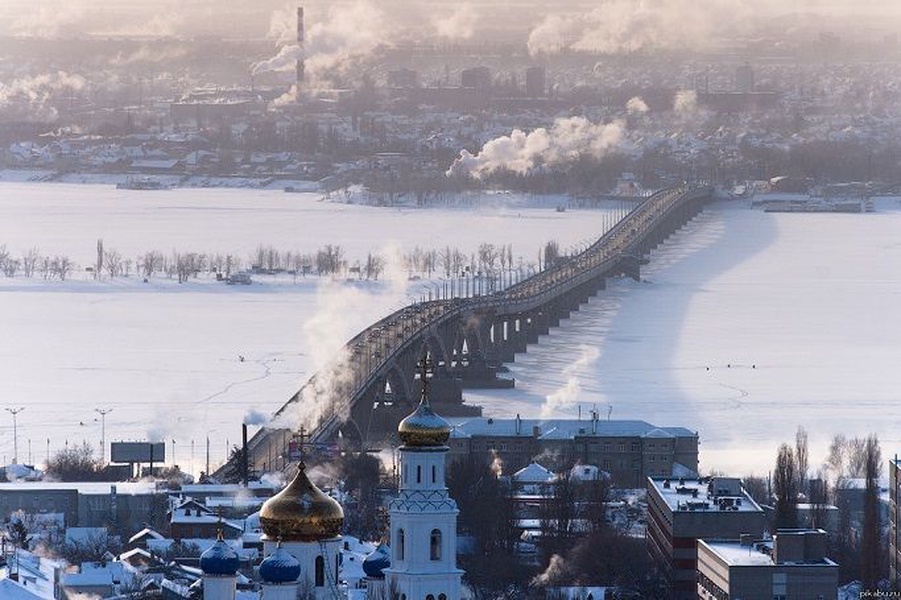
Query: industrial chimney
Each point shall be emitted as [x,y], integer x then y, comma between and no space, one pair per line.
[299,64]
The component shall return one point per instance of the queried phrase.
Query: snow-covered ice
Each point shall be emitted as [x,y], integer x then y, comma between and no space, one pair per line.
[164,356]
[745,326]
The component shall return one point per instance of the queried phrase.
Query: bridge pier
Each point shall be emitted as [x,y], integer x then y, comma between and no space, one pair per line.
[470,338]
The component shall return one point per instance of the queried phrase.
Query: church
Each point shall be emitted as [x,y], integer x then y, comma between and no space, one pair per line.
[302,532]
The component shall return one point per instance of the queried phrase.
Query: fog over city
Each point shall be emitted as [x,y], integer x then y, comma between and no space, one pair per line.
[645,252]
[627,23]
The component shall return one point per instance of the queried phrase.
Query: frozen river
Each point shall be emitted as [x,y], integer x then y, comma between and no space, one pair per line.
[746,325]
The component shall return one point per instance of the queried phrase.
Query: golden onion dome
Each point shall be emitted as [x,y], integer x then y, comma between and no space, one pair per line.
[301,512]
[423,427]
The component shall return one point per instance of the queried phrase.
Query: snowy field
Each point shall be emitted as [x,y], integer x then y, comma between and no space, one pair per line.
[164,356]
[747,324]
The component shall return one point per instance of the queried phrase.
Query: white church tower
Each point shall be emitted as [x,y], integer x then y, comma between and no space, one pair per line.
[423,516]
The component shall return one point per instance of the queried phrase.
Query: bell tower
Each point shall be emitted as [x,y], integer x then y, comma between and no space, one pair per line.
[423,516]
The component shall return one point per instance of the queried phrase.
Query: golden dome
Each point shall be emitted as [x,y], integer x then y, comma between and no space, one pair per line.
[423,427]
[301,512]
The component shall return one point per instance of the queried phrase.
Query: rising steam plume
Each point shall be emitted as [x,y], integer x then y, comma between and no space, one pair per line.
[567,140]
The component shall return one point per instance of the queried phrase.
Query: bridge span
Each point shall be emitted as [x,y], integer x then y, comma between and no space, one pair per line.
[362,395]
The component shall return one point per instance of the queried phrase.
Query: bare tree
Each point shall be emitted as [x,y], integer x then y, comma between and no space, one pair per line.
[98,265]
[113,263]
[785,488]
[11,267]
[757,488]
[62,266]
[30,261]
[801,458]
[551,253]
[375,264]
[871,555]
[4,258]
[75,463]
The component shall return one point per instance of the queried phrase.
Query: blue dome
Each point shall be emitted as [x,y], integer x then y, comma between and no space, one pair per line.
[377,561]
[221,559]
[279,567]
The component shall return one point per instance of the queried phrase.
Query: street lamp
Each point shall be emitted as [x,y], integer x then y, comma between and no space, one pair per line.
[14,412]
[103,412]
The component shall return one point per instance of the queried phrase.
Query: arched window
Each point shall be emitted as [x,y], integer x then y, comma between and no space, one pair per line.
[400,544]
[320,571]
[418,473]
[403,597]
[442,597]
[430,597]
[435,545]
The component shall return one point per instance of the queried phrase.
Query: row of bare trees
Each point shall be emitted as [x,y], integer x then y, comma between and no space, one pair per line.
[489,260]
[32,263]
[857,541]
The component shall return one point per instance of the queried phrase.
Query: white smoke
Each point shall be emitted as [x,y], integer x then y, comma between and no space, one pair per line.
[255,417]
[685,102]
[341,312]
[555,34]
[349,32]
[636,106]
[555,572]
[284,61]
[30,98]
[568,393]
[49,21]
[283,25]
[627,26]
[567,140]
[459,25]
[150,54]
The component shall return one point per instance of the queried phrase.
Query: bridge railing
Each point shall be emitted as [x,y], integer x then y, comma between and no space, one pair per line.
[366,355]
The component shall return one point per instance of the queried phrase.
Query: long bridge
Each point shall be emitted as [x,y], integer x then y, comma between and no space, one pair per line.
[362,395]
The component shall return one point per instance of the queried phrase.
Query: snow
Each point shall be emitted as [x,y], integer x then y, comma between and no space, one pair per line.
[164,356]
[746,324]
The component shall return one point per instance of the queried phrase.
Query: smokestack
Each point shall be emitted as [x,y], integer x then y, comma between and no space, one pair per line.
[299,64]
[244,457]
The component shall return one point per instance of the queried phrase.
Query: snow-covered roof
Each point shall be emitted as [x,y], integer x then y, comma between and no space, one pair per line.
[145,533]
[19,471]
[533,473]
[82,487]
[463,427]
[588,473]
[11,590]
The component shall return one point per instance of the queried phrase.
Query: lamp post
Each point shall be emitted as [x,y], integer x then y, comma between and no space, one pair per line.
[103,412]
[14,412]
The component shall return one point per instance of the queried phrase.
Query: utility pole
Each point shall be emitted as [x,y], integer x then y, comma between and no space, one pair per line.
[14,412]
[103,412]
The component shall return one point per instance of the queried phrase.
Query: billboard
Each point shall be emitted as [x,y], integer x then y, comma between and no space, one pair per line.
[137,452]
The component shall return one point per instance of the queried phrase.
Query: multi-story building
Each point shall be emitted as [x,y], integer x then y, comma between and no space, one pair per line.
[894,541]
[682,511]
[791,566]
[630,451]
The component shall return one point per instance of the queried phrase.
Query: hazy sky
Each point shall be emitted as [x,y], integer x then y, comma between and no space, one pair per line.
[54,18]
